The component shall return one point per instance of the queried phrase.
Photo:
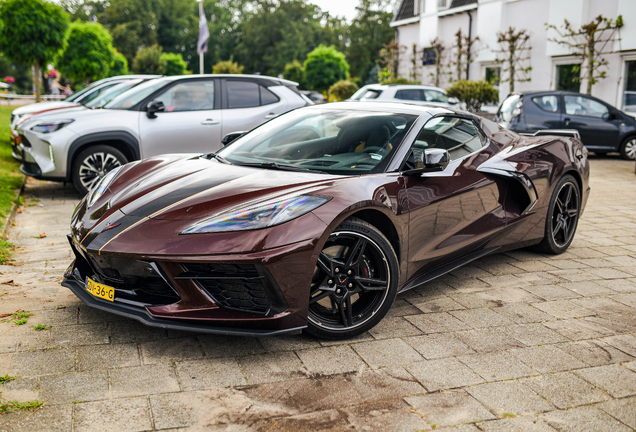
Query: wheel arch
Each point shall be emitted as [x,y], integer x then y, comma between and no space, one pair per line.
[122,141]
[383,223]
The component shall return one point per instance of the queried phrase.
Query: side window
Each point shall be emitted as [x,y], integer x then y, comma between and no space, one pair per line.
[435,96]
[547,103]
[243,94]
[267,97]
[95,93]
[189,96]
[459,136]
[582,106]
[410,94]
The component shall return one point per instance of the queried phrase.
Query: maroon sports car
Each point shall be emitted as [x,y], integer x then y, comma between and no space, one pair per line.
[318,218]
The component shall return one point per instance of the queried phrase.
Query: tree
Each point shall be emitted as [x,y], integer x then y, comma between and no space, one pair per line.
[461,56]
[132,23]
[227,67]
[148,61]
[294,72]
[590,42]
[416,61]
[438,48]
[32,31]
[20,72]
[325,66]
[173,64]
[390,56]
[119,65]
[514,54]
[473,93]
[342,90]
[88,54]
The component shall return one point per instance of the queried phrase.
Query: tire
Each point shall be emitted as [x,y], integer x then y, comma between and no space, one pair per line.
[562,218]
[93,163]
[354,283]
[628,148]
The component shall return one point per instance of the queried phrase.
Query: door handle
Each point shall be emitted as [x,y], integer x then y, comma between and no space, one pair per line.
[566,120]
[210,122]
[270,116]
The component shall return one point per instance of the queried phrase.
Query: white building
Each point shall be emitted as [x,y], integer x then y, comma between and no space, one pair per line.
[421,21]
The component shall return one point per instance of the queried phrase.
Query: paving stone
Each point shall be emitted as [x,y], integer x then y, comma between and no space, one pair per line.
[168,350]
[576,275]
[443,374]
[74,387]
[462,428]
[488,339]
[510,281]
[596,262]
[479,318]
[626,299]
[449,408]
[605,306]
[623,410]
[82,334]
[228,346]
[552,292]
[615,323]
[289,343]
[176,410]
[95,357]
[533,334]
[20,389]
[497,366]
[439,345]
[470,271]
[619,285]
[364,337]
[375,353]
[587,288]
[205,374]
[42,362]
[522,313]
[29,339]
[279,366]
[391,415]
[609,273]
[625,343]
[49,418]
[439,304]
[595,352]
[143,380]
[516,424]
[116,416]
[547,358]
[470,284]
[583,419]
[401,307]
[392,327]
[509,397]
[578,329]
[563,309]
[630,365]
[614,379]
[331,360]
[56,317]
[499,269]
[542,278]
[88,315]
[565,390]
[535,266]
[566,264]
[437,323]
[386,383]
[476,300]
[133,331]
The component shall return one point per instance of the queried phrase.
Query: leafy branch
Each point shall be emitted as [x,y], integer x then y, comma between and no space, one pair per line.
[514,54]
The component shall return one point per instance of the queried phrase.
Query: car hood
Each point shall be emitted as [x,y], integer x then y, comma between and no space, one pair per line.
[174,187]
[73,112]
[32,108]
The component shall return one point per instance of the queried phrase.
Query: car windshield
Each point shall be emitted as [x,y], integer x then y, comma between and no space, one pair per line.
[131,98]
[78,94]
[112,92]
[366,94]
[334,141]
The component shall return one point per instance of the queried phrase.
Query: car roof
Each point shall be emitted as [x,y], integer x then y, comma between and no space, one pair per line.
[280,81]
[393,107]
[554,92]
[403,86]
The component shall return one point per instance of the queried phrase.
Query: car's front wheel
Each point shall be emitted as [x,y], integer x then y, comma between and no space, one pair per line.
[354,283]
[628,148]
[93,163]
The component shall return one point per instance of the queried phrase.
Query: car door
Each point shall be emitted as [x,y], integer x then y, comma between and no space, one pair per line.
[191,121]
[542,112]
[248,104]
[453,211]
[592,119]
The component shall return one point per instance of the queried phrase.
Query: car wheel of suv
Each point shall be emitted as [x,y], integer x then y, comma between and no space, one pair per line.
[93,163]
[354,283]
[628,148]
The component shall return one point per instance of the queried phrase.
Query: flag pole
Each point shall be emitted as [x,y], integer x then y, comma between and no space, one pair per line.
[203,36]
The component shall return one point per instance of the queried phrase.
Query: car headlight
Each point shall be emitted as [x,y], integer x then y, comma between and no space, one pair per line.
[99,188]
[48,127]
[262,216]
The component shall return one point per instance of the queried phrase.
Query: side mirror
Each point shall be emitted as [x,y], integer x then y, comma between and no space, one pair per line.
[429,160]
[231,137]
[154,107]
[453,101]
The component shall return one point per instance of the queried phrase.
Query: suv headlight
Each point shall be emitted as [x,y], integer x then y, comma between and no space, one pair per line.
[262,216]
[48,127]
[100,187]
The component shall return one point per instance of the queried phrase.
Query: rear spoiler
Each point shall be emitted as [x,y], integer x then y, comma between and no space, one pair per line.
[573,133]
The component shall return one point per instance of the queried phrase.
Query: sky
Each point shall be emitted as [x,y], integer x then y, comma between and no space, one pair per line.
[346,8]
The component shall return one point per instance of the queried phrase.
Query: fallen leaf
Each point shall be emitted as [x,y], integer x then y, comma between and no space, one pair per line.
[8,282]
[42,235]
[19,210]
[6,314]
[52,243]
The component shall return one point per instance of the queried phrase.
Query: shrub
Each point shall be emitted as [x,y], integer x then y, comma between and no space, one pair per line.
[148,61]
[119,65]
[173,64]
[294,71]
[325,66]
[342,90]
[227,67]
[473,93]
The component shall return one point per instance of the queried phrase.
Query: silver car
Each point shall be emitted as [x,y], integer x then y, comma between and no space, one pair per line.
[167,115]
[406,93]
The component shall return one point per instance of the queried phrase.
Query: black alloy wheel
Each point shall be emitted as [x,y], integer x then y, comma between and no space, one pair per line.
[93,163]
[563,216]
[354,283]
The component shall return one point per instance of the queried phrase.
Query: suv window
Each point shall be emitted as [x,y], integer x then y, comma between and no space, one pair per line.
[459,136]
[548,103]
[242,94]
[435,96]
[582,106]
[410,94]
[267,97]
[189,96]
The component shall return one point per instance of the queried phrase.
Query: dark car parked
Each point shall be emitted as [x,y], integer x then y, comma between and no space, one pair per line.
[602,127]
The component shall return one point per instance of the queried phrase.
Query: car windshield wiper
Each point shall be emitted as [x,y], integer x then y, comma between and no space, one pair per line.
[213,155]
[282,167]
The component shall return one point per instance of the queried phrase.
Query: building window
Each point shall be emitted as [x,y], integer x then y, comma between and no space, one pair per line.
[493,75]
[629,97]
[568,77]
[442,4]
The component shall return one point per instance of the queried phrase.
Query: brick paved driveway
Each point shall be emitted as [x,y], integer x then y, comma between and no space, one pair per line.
[516,341]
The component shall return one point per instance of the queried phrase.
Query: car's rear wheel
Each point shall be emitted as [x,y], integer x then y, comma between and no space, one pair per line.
[354,283]
[628,148]
[93,163]
[563,216]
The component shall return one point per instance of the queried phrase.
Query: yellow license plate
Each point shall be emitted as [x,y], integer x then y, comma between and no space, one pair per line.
[100,290]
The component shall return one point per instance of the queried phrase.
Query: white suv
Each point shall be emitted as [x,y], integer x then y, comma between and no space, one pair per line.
[173,114]
[409,93]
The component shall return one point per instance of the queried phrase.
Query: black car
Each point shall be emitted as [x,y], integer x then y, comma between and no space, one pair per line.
[602,127]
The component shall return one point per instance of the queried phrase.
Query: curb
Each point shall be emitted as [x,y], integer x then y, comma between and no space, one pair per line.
[14,207]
